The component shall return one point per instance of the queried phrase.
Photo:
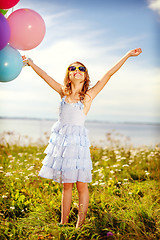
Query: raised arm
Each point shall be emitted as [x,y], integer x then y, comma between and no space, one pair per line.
[102,82]
[50,81]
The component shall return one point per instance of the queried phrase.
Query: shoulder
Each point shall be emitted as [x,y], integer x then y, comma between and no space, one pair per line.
[63,91]
[87,99]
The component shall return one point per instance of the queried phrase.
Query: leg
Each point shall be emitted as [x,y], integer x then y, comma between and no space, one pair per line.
[66,202]
[83,202]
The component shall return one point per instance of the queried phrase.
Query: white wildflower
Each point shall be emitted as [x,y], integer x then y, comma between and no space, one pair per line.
[96,183]
[116,152]
[8,174]
[11,161]
[102,183]
[116,165]
[105,158]
[4,196]
[131,161]
[112,171]
[96,164]
[31,175]
[101,174]
[12,208]
[147,173]
[30,168]
[125,165]
[118,160]
[100,169]
[20,154]
[75,204]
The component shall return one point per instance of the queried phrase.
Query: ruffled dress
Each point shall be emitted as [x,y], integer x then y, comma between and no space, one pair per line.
[68,157]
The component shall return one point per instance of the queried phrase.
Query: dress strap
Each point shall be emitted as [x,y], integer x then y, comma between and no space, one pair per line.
[63,99]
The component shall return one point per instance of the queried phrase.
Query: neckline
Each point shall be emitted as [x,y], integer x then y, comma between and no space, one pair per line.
[79,102]
[71,102]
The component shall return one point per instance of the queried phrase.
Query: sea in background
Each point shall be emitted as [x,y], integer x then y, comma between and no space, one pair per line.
[100,133]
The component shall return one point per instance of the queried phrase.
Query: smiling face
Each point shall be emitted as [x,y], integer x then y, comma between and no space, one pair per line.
[76,77]
[76,74]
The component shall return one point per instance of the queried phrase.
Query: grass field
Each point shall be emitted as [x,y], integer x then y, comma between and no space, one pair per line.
[124,195]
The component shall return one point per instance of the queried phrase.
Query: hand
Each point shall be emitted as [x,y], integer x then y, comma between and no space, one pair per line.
[135,52]
[26,61]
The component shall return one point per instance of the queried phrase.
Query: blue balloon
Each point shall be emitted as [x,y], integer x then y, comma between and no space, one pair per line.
[10,64]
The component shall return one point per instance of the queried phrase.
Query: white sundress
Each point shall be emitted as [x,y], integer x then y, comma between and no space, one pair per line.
[68,157]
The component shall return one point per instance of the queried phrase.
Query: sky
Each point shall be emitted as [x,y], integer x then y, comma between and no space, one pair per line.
[97,33]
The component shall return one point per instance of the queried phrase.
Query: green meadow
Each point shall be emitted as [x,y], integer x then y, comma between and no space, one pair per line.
[124,195]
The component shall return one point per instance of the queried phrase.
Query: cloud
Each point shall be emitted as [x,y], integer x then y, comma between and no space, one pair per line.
[131,94]
[154,5]
[132,89]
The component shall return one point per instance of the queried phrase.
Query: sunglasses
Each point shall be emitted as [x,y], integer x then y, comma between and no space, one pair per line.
[73,68]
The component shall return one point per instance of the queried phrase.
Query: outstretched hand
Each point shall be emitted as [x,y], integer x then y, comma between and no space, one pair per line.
[26,61]
[135,52]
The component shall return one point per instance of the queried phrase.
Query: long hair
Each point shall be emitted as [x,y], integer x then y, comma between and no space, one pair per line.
[67,84]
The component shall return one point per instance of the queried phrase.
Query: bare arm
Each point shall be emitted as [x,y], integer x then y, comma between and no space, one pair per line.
[50,81]
[101,83]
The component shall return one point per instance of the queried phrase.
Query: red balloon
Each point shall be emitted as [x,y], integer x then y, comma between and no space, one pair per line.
[6,4]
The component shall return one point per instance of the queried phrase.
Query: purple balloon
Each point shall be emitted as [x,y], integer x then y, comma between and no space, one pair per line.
[4,31]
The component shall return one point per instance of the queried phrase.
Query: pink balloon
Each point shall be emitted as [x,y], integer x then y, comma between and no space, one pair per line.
[27,29]
[5,4]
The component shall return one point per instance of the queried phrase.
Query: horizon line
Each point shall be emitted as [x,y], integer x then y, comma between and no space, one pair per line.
[100,121]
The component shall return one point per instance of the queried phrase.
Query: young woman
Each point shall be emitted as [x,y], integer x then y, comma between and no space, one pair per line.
[68,158]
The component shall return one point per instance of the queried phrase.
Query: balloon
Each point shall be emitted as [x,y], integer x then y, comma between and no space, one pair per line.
[3,11]
[27,29]
[5,4]
[10,64]
[5,31]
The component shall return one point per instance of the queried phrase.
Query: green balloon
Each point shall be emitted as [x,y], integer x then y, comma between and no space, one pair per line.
[3,11]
